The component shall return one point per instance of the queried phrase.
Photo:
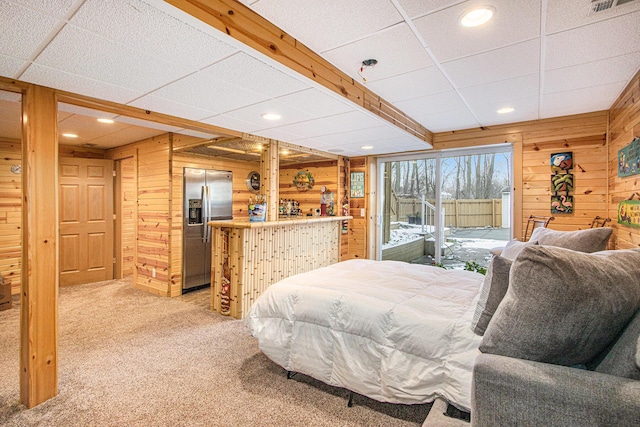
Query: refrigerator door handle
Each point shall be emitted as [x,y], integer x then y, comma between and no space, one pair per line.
[207,213]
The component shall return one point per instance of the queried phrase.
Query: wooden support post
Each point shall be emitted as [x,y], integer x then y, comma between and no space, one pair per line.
[40,267]
[270,178]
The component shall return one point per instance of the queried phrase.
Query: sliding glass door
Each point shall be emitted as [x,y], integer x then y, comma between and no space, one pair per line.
[449,208]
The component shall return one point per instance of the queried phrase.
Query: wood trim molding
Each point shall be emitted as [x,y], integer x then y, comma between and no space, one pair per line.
[243,24]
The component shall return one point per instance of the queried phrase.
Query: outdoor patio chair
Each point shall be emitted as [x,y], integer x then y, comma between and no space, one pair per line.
[535,222]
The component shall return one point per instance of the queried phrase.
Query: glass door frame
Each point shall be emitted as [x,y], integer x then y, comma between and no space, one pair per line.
[438,155]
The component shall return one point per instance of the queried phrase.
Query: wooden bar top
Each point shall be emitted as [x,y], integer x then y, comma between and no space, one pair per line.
[245,223]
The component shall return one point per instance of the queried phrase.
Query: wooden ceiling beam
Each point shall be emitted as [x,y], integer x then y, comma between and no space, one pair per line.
[243,24]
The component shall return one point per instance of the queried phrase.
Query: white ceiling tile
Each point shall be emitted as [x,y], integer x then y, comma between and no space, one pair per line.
[334,124]
[339,21]
[610,70]
[10,67]
[578,101]
[396,49]
[415,8]
[204,90]
[432,104]
[514,21]
[615,37]
[449,121]
[198,134]
[12,98]
[500,64]
[253,114]
[78,84]
[317,103]
[28,30]
[148,124]
[416,84]
[251,74]
[170,107]
[565,14]
[227,122]
[525,109]
[83,111]
[83,53]
[144,28]
[496,93]
[278,134]
[57,8]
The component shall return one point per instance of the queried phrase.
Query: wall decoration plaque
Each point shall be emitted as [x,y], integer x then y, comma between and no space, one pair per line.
[629,159]
[357,185]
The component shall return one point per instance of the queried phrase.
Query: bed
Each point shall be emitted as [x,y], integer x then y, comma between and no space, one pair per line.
[389,330]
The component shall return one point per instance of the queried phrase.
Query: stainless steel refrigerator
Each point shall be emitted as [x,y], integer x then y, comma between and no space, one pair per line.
[207,196]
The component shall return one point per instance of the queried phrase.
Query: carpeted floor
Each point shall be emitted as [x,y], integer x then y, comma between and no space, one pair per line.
[129,358]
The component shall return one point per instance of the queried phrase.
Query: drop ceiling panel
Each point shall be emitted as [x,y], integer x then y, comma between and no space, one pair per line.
[147,124]
[565,14]
[416,84]
[224,121]
[253,114]
[10,66]
[57,8]
[279,135]
[525,109]
[322,25]
[58,79]
[80,52]
[334,124]
[584,100]
[606,39]
[396,49]
[610,70]
[503,91]
[28,30]
[251,74]
[500,64]
[417,8]
[204,90]
[514,21]
[432,104]
[317,103]
[146,29]
[173,108]
[449,121]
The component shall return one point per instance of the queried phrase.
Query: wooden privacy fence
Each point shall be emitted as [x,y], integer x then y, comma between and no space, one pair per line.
[458,213]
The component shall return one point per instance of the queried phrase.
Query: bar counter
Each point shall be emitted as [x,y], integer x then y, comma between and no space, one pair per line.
[248,257]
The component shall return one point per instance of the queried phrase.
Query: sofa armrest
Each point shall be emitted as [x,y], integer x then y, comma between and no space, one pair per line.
[514,392]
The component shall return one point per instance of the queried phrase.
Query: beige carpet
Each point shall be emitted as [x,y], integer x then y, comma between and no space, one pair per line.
[129,358]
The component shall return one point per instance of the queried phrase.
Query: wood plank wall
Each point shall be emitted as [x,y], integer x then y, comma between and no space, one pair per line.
[584,135]
[324,173]
[359,225]
[10,213]
[624,126]
[11,204]
[241,195]
[128,217]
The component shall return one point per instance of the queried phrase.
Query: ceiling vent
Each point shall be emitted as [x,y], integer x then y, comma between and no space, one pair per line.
[597,6]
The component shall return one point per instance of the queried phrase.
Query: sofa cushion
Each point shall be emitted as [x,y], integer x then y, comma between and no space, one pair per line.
[494,286]
[563,306]
[589,240]
[621,358]
[638,353]
[514,247]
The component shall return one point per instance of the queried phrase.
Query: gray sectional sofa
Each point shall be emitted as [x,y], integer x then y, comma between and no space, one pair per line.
[560,339]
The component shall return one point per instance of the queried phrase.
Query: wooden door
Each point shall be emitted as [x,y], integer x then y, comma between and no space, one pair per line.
[86,220]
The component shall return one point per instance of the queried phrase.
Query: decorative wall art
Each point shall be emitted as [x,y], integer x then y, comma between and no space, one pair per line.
[562,183]
[629,211]
[629,159]
[357,185]
[303,181]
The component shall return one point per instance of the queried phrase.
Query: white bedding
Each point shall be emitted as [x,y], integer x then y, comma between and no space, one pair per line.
[389,330]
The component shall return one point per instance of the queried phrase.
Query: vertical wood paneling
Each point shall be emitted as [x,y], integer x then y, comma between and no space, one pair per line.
[128,203]
[358,226]
[324,173]
[10,213]
[624,126]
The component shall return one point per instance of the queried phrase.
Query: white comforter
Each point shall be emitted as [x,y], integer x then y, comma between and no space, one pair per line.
[389,330]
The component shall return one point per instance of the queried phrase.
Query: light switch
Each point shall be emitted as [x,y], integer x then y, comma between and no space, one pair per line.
[362,212]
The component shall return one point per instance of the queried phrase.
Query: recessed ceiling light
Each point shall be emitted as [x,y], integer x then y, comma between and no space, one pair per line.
[367,147]
[477,16]
[70,135]
[271,116]
[284,152]
[506,110]
[108,121]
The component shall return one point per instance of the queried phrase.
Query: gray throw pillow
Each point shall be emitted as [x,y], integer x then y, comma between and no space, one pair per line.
[564,307]
[513,248]
[589,240]
[620,360]
[494,286]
